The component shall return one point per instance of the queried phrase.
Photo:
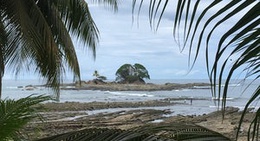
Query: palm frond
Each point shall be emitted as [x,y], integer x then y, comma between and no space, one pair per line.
[154,8]
[78,20]
[170,132]
[108,3]
[195,29]
[249,55]
[181,132]
[32,43]
[97,134]
[255,122]
[40,38]
[253,132]
[61,36]
[3,43]
[14,114]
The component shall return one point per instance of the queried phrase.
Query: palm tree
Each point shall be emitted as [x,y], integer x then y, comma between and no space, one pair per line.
[96,74]
[15,114]
[35,35]
[195,28]
[99,77]
[179,131]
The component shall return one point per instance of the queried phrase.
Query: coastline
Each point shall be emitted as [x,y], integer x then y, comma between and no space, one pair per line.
[70,116]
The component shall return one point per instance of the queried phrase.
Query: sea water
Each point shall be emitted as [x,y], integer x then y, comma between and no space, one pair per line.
[202,101]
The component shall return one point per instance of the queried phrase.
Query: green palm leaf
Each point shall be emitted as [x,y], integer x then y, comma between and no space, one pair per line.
[108,3]
[182,132]
[170,132]
[39,36]
[241,39]
[33,43]
[14,114]
[96,134]
[78,20]
[3,42]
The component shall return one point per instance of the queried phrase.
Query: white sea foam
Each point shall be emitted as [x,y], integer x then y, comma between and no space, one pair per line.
[157,121]
[231,85]
[129,94]
[11,90]
[216,98]
[12,87]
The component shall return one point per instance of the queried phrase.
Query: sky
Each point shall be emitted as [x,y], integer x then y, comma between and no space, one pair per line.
[124,40]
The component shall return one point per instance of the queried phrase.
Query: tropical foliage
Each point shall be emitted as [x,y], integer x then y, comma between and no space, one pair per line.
[195,26]
[128,73]
[36,33]
[169,132]
[99,77]
[15,114]
[36,36]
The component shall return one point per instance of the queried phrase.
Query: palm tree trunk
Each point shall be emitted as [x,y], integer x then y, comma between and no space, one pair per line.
[1,78]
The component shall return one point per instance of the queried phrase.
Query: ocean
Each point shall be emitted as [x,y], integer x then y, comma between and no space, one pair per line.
[203,102]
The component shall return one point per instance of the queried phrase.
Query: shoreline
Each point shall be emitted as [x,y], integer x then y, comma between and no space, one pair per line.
[71,116]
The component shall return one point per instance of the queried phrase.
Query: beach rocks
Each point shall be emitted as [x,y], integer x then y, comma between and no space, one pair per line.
[112,86]
[71,116]
[97,84]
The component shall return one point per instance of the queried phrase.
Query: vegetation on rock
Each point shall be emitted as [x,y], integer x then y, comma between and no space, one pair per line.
[99,77]
[128,73]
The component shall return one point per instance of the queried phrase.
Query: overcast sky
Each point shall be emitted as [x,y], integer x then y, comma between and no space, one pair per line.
[123,40]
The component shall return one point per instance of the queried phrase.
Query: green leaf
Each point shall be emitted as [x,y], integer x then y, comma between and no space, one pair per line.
[15,114]
[169,132]
[240,41]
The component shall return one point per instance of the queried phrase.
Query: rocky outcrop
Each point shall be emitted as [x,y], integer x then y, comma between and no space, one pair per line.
[97,84]
[112,86]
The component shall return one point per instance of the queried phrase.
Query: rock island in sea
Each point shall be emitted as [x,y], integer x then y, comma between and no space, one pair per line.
[137,86]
